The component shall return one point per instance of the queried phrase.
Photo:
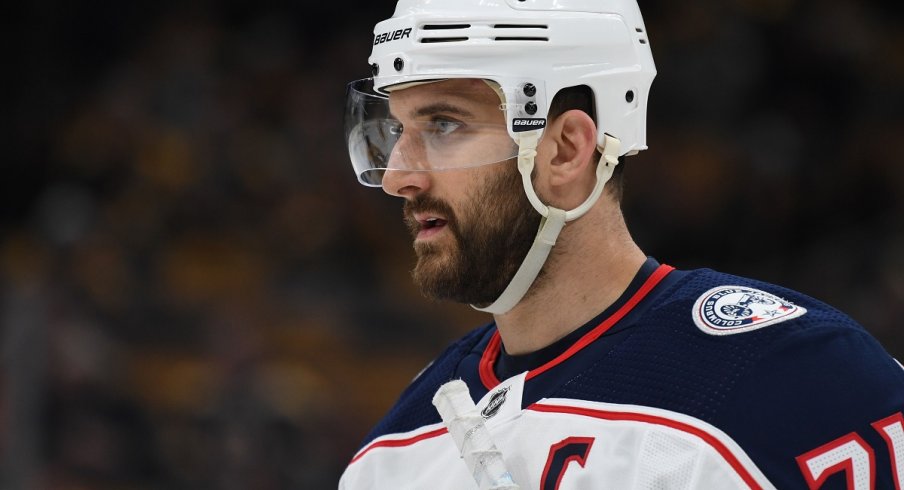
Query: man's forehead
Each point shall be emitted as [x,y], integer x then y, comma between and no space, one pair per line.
[468,91]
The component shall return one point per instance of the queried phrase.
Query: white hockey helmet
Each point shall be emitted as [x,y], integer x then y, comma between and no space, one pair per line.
[528,50]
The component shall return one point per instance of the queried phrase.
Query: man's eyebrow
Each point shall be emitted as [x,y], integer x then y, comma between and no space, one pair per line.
[440,107]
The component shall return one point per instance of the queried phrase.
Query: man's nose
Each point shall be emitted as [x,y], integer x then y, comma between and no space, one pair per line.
[405,183]
[406,173]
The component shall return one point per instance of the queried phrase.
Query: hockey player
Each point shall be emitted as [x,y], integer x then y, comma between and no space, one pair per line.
[502,125]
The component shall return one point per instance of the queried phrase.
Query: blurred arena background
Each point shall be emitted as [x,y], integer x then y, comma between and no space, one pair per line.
[196,293]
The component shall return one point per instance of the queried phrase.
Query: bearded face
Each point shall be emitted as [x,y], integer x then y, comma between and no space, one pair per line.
[455,164]
[488,238]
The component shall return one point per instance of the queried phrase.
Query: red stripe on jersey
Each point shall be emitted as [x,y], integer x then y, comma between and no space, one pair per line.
[710,439]
[491,353]
[488,359]
[399,442]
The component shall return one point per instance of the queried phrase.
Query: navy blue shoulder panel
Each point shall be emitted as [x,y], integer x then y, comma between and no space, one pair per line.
[666,361]
[414,408]
[779,391]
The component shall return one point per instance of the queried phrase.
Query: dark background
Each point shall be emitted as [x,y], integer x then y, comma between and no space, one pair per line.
[196,293]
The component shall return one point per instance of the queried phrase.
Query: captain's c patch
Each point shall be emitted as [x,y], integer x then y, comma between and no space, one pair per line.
[727,310]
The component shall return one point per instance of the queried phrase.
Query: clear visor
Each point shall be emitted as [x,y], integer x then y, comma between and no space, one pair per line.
[436,126]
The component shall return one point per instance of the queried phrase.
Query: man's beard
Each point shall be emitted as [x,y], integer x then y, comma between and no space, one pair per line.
[492,235]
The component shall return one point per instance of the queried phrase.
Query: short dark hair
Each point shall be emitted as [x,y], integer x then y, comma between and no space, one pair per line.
[580,97]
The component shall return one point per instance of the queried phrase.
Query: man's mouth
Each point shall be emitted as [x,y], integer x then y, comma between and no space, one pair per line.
[429,226]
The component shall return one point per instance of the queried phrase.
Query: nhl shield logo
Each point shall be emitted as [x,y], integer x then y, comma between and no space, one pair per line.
[496,402]
[727,310]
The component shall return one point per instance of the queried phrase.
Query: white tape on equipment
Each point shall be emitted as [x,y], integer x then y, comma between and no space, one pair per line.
[471,436]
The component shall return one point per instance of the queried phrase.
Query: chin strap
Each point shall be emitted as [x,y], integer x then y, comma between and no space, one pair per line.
[553,219]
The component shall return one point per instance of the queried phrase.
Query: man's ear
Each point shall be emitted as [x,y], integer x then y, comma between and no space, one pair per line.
[568,145]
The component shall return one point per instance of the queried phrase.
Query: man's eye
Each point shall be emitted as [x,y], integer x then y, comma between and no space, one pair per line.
[396,129]
[444,127]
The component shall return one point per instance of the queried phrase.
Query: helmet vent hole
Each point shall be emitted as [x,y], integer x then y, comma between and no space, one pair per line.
[438,27]
[521,26]
[520,38]
[638,29]
[643,41]
[629,96]
[427,40]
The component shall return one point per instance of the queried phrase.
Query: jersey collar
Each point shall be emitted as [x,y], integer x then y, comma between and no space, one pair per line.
[494,357]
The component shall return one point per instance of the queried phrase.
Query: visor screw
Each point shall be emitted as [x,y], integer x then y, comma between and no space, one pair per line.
[530,90]
[530,108]
[629,96]
[399,64]
[375,68]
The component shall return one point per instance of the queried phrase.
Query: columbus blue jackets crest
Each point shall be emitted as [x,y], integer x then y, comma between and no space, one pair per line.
[727,310]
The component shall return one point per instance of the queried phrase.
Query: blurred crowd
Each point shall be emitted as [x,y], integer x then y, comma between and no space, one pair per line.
[196,293]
